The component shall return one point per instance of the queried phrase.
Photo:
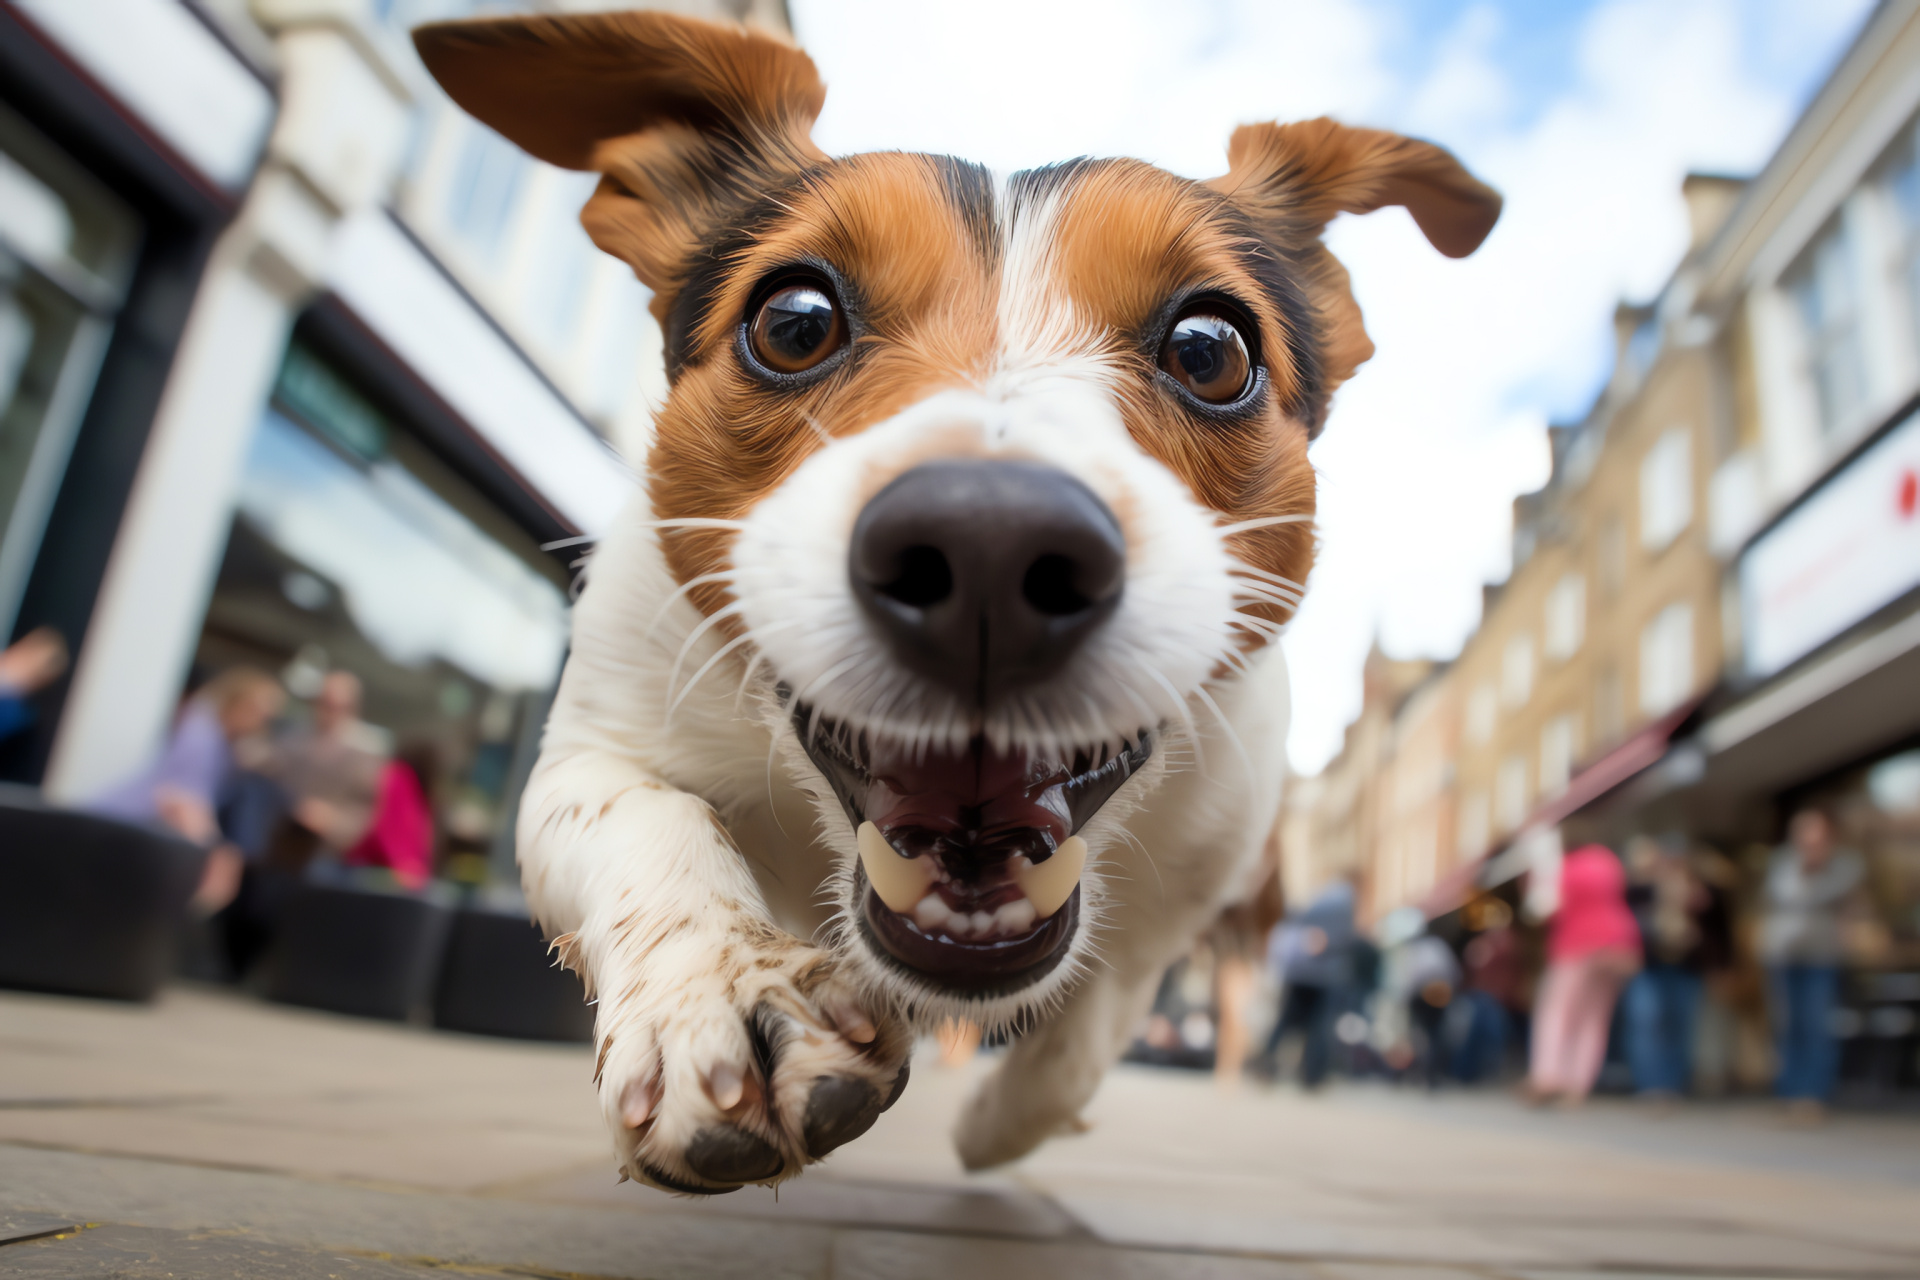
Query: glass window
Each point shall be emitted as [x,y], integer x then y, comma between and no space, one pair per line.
[66,250]
[1516,671]
[1666,489]
[1666,660]
[1825,291]
[1566,619]
[1559,745]
[1475,827]
[355,548]
[1510,792]
[483,194]
[1903,188]
[1482,711]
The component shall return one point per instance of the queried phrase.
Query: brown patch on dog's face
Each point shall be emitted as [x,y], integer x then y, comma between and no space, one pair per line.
[1138,248]
[897,241]
[714,192]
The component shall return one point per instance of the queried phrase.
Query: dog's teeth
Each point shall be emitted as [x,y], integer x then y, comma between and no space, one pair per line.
[1050,884]
[900,882]
[1015,917]
[931,913]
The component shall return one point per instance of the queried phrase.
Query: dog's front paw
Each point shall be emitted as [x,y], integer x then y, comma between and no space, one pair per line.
[738,1059]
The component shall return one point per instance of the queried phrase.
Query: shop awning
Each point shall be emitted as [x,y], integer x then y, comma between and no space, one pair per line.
[1631,758]
[1638,753]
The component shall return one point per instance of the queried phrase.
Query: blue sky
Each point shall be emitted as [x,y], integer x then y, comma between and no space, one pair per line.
[1585,115]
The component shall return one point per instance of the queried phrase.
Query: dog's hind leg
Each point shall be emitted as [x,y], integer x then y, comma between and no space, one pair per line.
[1053,1070]
[729,1051]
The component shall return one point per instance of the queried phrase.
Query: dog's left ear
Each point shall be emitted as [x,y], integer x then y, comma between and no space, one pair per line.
[690,121]
[1292,179]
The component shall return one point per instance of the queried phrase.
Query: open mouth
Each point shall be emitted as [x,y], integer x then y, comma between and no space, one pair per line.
[969,860]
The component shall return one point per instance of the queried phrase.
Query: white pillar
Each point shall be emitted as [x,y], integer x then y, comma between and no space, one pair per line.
[335,148]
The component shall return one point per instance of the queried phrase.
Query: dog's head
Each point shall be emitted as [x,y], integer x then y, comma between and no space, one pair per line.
[990,476]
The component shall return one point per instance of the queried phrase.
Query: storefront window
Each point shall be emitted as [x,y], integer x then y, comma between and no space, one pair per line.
[354,548]
[66,248]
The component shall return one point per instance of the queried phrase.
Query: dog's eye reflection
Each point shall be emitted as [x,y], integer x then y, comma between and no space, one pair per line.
[795,329]
[1206,354]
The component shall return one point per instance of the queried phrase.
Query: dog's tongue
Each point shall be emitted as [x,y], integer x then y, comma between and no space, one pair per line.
[974,805]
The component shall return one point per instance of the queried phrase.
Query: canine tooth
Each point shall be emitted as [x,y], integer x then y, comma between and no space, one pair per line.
[900,882]
[1049,884]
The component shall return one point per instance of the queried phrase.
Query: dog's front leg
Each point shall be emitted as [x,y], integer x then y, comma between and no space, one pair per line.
[729,1051]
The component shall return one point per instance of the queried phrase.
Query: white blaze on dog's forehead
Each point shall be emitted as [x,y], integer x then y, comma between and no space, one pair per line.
[1041,331]
[900,882]
[1049,884]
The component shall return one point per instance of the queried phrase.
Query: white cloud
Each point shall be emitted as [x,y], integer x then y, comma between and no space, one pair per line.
[1429,444]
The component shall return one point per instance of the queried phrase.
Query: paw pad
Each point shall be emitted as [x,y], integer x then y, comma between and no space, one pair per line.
[722,1153]
[838,1111]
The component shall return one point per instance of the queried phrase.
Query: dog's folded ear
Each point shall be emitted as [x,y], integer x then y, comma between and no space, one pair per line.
[688,120]
[1292,179]
[1300,175]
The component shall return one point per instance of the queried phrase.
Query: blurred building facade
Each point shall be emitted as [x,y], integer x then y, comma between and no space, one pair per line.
[1714,612]
[299,367]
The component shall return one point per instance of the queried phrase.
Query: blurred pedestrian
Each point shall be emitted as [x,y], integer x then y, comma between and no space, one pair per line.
[1494,982]
[1431,975]
[331,770]
[182,789]
[1236,940]
[27,666]
[1593,947]
[1312,956]
[400,834]
[1808,884]
[1670,904]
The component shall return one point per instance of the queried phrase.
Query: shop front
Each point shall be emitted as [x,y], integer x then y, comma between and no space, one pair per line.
[1826,716]
[356,548]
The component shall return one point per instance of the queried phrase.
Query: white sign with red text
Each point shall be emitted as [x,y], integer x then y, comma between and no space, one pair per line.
[1851,548]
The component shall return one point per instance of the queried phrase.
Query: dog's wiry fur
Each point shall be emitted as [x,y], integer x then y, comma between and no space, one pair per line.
[675,834]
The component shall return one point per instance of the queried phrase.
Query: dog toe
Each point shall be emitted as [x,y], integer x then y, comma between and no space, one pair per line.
[723,1153]
[838,1111]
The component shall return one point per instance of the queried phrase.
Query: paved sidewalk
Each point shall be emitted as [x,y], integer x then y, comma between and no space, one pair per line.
[212,1135]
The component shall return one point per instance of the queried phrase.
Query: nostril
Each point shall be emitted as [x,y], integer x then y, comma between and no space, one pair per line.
[925,578]
[1050,589]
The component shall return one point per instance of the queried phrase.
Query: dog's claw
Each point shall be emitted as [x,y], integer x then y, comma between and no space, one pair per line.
[722,1153]
[838,1111]
[899,1085]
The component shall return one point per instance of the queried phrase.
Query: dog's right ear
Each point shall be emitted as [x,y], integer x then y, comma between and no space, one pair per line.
[688,121]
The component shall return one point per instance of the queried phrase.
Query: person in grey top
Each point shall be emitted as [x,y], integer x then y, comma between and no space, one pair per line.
[1809,883]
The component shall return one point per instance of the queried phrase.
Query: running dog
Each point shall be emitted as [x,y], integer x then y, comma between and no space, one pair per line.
[932,672]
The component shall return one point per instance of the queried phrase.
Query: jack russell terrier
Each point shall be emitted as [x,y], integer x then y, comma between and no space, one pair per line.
[932,672]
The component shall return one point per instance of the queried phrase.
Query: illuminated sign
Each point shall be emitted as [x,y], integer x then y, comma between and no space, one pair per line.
[1851,548]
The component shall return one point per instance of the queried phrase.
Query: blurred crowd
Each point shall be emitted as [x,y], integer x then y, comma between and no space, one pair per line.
[1663,970]
[278,792]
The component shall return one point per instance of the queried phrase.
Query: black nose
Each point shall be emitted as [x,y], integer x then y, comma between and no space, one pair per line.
[986,576]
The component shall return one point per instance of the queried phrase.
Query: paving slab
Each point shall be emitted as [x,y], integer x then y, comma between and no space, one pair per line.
[249,1137]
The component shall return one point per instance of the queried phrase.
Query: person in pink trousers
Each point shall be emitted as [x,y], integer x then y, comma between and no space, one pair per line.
[1593,947]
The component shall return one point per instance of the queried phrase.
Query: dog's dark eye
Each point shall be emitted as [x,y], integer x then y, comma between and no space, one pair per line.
[796,328]
[1206,354]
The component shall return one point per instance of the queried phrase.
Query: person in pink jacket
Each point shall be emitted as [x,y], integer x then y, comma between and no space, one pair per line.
[1593,947]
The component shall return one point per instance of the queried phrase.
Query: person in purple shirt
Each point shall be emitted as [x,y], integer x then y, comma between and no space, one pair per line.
[181,789]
